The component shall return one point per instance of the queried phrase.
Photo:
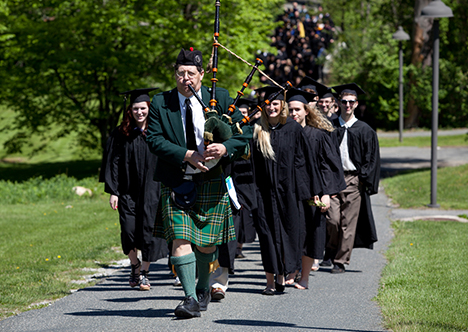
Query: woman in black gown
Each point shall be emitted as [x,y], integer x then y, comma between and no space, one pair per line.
[127,171]
[281,182]
[322,152]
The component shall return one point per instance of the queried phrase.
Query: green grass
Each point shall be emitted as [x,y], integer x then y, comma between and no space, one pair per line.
[424,286]
[413,189]
[38,149]
[46,245]
[455,140]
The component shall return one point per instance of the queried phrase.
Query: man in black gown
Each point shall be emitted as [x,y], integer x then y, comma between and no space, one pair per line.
[351,223]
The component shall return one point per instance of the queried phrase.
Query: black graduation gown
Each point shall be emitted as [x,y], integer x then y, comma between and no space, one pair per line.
[241,172]
[365,154]
[281,186]
[127,171]
[323,151]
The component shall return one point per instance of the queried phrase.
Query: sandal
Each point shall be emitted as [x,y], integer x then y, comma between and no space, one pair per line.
[315,266]
[144,282]
[134,276]
[268,291]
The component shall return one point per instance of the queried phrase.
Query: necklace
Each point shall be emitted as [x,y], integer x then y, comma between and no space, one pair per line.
[275,126]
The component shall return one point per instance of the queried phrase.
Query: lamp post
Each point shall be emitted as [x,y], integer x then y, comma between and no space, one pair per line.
[436,9]
[401,35]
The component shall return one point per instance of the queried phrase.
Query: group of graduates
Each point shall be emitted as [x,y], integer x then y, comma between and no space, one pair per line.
[302,177]
[302,42]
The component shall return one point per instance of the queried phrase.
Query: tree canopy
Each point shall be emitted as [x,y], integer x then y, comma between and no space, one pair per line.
[63,63]
[365,53]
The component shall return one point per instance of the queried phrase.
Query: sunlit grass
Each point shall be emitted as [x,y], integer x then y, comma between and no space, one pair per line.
[455,140]
[46,245]
[413,190]
[424,285]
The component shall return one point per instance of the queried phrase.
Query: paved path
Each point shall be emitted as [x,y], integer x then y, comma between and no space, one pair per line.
[333,302]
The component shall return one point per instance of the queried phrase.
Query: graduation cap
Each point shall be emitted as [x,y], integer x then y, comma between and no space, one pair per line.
[137,96]
[245,103]
[269,91]
[351,88]
[309,83]
[328,93]
[299,95]
[190,58]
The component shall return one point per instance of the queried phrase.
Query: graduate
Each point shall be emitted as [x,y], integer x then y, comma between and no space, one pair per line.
[127,171]
[322,153]
[351,223]
[282,182]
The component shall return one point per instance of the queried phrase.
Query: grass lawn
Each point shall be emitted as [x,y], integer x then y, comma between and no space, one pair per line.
[46,245]
[455,140]
[424,286]
[413,189]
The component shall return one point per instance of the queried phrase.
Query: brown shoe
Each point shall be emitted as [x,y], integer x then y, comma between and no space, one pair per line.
[217,294]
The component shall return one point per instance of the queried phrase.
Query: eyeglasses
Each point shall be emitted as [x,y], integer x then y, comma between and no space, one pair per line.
[190,74]
[345,102]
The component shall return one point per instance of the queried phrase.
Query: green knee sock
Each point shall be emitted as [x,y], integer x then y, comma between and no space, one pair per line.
[185,267]
[203,266]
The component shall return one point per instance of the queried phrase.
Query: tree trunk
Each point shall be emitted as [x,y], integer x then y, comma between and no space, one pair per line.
[421,55]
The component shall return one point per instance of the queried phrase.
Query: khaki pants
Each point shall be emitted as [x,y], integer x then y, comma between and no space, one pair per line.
[343,218]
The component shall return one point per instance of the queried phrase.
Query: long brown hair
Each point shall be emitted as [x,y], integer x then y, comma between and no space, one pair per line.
[316,119]
[128,122]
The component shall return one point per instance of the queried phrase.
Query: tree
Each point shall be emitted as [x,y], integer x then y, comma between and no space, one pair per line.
[366,54]
[68,60]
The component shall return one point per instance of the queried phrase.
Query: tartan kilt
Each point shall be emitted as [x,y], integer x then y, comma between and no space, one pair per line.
[208,223]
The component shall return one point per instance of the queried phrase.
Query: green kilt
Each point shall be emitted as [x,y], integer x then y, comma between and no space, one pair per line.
[208,223]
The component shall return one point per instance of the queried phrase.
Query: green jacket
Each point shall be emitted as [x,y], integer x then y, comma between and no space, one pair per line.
[166,136]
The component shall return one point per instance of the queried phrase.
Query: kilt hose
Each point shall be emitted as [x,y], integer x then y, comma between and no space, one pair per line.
[207,224]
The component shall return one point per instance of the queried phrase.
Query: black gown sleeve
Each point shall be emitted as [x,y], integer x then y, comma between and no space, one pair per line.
[366,153]
[330,164]
[109,173]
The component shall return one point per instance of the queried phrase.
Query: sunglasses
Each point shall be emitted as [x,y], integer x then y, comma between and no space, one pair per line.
[345,102]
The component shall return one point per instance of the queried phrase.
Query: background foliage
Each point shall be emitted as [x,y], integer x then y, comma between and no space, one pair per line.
[365,53]
[63,63]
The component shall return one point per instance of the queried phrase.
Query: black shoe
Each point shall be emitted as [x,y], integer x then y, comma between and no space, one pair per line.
[188,308]
[204,297]
[338,268]
[279,288]
[327,262]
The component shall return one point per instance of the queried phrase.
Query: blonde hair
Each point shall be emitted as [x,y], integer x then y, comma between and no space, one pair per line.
[262,131]
[316,119]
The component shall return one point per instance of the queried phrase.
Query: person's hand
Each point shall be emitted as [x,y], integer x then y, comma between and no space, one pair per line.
[325,200]
[196,159]
[114,201]
[214,151]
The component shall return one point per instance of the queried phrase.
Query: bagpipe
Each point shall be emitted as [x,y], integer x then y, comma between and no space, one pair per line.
[219,128]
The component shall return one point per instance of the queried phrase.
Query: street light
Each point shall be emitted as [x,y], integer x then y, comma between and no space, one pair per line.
[401,35]
[436,9]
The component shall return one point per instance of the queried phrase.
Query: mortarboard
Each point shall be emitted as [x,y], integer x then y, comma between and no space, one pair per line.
[270,90]
[245,103]
[351,88]
[137,96]
[299,95]
[309,83]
